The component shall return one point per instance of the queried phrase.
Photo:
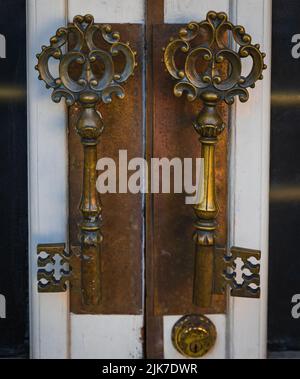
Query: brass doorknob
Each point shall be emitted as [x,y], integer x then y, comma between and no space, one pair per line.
[206,47]
[194,335]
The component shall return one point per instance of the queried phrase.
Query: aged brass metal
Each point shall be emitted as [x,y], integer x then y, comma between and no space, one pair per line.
[194,335]
[87,76]
[226,270]
[211,42]
[48,279]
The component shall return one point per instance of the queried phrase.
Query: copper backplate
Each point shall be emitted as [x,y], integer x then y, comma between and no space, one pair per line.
[173,247]
[122,228]
[171,223]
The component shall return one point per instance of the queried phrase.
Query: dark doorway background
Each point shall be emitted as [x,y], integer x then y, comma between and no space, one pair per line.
[284,275]
[13,181]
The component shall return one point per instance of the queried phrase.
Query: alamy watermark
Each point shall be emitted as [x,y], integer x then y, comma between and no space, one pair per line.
[167,176]
[296,46]
[2,306]
[2,46]
[296,306]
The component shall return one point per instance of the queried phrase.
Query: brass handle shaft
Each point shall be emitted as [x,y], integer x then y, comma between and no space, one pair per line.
[203,276]
[89,128]
[208,125]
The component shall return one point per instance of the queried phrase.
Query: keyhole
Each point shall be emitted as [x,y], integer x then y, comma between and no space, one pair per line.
[195,347]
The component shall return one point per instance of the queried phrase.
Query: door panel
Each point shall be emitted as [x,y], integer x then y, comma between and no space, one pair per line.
[93,329]
[55,332]
[249,172]
[172,249]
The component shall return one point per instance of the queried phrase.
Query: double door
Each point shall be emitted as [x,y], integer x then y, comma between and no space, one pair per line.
[147,254]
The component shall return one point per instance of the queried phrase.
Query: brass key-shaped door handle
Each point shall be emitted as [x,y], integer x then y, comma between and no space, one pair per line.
[87,76]
[208,46]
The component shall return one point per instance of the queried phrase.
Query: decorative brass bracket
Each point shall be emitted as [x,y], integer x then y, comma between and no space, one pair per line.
[205,47]
[87,76]
[57,267]
[239,262]
[53,268]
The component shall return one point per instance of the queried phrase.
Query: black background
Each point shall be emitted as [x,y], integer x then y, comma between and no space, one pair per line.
[284,275]
[13,182]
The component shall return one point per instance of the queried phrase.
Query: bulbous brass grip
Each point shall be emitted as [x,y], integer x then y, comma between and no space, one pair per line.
[205,47]
[88,76]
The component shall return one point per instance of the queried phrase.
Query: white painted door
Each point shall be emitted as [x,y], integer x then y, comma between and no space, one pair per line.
[55,333]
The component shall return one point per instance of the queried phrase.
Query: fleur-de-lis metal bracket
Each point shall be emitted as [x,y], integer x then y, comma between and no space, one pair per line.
[87,76]
[206,46]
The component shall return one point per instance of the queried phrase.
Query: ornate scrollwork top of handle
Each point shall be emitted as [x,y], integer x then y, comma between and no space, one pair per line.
[214,50]
[85,53]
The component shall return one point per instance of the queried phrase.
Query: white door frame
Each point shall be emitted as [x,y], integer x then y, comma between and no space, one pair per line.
[55,333]
[249,192]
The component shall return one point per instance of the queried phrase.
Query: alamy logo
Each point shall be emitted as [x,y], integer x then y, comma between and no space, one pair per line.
[2,46]
[2,306]
[167,176]
[296,307]
[296,48]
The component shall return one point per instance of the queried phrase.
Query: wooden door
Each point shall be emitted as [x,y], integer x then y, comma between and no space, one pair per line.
[119,331]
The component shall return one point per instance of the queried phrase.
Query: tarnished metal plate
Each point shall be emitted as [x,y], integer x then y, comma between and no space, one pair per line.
[122,248]
[173,247]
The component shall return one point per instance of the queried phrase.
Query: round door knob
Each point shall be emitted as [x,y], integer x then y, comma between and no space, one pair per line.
[194,335]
